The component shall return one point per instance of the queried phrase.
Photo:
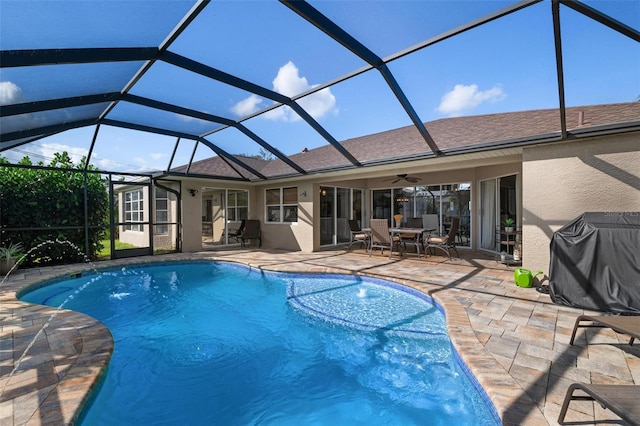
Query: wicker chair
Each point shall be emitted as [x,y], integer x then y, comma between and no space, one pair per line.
[447,242]
[381,237]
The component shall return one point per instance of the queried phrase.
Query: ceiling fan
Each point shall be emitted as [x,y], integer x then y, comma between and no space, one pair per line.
[405,177]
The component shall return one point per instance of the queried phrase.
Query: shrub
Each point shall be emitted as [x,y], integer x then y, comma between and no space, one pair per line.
[35,200]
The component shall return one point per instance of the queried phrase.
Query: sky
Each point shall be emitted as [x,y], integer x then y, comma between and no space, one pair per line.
[506,65]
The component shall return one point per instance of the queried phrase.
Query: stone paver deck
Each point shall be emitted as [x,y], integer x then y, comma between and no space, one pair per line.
[513,339]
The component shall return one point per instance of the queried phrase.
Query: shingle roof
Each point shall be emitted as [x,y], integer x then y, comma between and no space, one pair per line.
[449,134]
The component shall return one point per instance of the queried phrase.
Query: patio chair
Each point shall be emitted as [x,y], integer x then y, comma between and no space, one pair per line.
[447,242]
[251,232]
[357,235]
[415,239]
[623,324]
[236,233]
[430,221]
[381,238]
[624,400]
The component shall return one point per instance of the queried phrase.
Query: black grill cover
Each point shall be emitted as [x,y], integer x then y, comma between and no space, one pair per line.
[595,263]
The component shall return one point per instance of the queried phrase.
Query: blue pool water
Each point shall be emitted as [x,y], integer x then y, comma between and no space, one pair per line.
[218,343]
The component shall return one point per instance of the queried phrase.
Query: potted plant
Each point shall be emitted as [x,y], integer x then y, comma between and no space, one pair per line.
[517,248]
[9,256]
[508,224]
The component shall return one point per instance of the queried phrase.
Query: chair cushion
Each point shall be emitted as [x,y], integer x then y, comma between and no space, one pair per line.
[437,240]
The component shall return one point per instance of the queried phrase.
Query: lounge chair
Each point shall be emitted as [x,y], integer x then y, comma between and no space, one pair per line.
[357,235]
[381,238]
[447,242]
[251,232]
[629,325]
[624,400]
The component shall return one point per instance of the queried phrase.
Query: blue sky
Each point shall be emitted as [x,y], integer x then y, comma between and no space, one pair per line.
[506,65]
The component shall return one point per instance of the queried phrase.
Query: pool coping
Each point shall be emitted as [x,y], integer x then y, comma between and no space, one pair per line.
[80,372]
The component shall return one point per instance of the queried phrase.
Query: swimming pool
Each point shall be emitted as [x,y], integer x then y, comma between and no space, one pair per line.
[219,343]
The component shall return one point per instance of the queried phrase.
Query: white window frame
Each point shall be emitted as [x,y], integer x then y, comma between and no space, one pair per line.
[163,228]
[135,215]
[235,206]
[278,208]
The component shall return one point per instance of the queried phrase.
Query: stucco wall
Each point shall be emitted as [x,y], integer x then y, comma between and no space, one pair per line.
[561,181]
[191,217]
[288,236]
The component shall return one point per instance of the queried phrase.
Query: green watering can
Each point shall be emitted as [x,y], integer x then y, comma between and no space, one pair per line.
[524,278]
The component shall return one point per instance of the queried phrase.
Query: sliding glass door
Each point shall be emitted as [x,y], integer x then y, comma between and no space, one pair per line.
[437,205]
[222,211]
[498,202]
[337,206]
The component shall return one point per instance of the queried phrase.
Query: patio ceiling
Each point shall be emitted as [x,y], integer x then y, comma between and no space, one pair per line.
[172,69]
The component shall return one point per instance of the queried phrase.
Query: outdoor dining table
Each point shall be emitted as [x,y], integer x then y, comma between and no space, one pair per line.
[417,232]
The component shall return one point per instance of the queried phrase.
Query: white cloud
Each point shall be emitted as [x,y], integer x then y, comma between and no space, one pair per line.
[106,164]
[44,153]
[49,149]
[289,83]
[320,103]
[9,93]
[247,106]
[157,155]
[463,98]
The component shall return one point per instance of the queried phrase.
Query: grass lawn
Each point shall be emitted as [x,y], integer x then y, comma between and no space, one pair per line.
[106,248]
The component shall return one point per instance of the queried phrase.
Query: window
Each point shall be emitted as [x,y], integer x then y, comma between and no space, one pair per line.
[282,205]
[237,206]
[162,212]
[133,210]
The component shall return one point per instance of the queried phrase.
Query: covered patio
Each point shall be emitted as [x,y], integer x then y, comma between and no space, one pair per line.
[514,340]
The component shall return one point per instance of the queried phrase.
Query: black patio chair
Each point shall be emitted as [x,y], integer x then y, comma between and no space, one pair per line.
[357,235]
[236,233]
[447,242]
[251,232]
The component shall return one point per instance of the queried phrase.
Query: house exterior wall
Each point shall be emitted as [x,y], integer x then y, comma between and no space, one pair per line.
[288,236]
[141,239]
[562,181]
[137,238]
[305,234]
[167,241]
[191,217]
[556,182]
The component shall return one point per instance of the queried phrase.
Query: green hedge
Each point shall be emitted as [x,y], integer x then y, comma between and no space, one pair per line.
[43,198]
